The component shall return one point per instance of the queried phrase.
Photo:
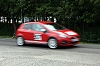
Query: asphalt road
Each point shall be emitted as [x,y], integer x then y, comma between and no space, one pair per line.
[40,55]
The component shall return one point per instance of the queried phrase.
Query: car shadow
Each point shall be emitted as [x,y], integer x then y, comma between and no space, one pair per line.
[68,47]
[46,47]
[36,45]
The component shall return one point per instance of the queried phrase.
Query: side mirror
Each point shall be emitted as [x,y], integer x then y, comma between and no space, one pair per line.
[43,30]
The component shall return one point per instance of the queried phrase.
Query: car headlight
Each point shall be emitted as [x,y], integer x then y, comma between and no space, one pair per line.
[62,35]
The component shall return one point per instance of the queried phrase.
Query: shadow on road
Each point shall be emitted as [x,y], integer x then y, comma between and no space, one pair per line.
[46,47]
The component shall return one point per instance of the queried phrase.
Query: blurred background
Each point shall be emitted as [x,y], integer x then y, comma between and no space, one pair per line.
[82,16]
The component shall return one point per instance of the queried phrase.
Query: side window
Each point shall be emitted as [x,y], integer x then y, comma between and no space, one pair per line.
[33,26]
[37,27]
[27,26]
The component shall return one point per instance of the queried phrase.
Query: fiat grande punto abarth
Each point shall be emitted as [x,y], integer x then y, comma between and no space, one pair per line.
[49,33]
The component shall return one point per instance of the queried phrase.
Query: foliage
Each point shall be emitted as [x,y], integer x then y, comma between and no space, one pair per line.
[86,10]
[74,14]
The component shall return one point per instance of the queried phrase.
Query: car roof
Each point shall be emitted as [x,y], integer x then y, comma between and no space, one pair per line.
[42,22]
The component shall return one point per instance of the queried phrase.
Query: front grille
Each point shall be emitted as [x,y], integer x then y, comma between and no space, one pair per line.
[74,39]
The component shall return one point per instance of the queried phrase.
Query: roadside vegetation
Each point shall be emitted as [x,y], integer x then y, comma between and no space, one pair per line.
[82,16]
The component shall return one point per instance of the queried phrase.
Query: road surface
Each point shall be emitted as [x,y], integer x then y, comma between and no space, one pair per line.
[40,55]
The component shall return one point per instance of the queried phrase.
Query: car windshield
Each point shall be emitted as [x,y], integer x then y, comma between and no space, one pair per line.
[55,26]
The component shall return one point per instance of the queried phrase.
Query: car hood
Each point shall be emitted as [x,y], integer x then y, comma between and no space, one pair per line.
[68,32]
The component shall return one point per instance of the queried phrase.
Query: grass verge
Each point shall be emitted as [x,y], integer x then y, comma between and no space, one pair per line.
[5,36]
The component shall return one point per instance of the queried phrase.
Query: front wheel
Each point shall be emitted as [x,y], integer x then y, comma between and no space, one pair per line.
[52,43]
[20,41]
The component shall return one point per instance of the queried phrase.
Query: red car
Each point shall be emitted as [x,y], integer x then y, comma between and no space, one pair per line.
[45,32]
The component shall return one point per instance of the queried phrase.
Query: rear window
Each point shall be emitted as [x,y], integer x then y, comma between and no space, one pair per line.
[27,26]
[55,26]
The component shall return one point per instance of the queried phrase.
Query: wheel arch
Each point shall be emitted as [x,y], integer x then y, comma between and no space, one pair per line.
[20,35]
[52,37]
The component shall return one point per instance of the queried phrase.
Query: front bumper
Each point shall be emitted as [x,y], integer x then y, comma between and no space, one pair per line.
[69,41]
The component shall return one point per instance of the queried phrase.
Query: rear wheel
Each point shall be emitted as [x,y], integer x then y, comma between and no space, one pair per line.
[52,43]
[20,41]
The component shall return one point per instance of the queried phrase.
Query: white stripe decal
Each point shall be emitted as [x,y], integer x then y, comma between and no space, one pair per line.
[35,42]
[70,33]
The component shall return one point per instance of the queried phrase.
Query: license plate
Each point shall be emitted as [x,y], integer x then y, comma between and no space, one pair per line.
[76,39]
